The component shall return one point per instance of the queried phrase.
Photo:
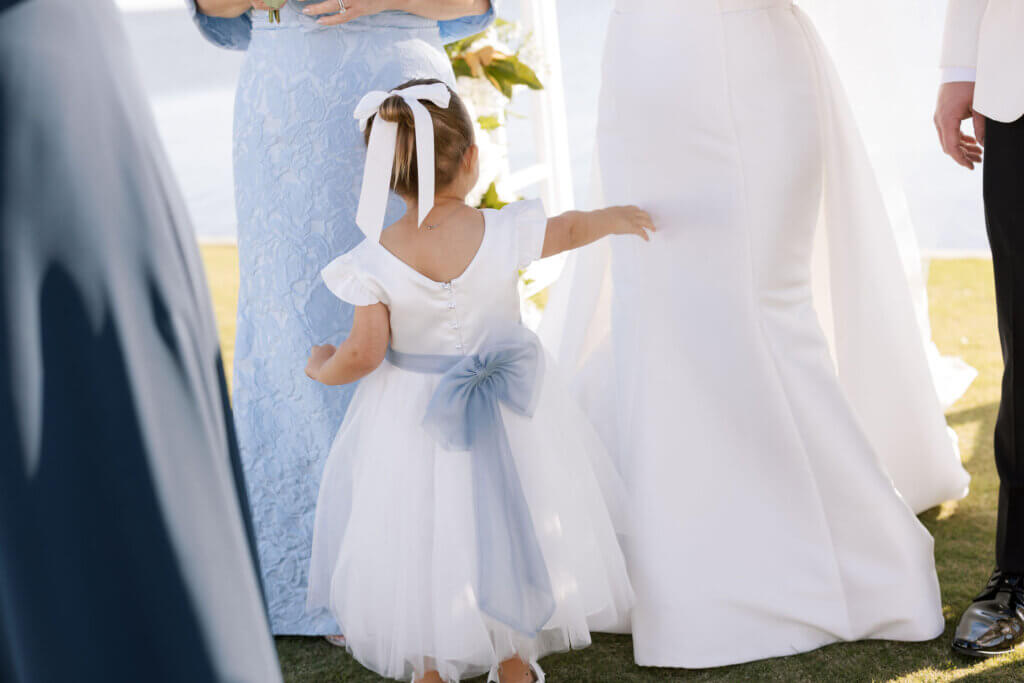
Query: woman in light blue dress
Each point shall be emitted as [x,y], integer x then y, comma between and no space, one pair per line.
[298,160]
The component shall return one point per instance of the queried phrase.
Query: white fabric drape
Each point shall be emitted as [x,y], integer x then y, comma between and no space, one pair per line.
[746,438]
[868,279]
[888,69]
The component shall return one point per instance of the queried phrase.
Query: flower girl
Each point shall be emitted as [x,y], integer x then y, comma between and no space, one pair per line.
[462,525]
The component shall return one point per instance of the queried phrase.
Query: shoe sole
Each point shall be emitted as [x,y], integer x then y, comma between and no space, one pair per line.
[980,654]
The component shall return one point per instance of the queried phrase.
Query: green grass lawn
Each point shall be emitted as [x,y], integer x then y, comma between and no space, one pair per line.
[963,315]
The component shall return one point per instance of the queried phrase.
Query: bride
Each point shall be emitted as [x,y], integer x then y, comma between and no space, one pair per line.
[760,373]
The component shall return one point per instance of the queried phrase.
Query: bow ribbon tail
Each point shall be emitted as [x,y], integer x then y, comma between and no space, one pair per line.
[380,162]
[424,158]
[513,585]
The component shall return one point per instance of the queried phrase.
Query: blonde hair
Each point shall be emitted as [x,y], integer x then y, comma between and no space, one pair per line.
[453,136]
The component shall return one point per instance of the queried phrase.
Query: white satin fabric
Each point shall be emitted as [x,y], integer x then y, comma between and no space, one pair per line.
[892,63]
[760,408]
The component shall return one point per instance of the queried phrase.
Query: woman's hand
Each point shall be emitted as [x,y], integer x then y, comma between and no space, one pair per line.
[349,10]
[441,10]
[317,357]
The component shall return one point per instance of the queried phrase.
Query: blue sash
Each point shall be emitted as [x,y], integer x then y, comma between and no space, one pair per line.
[464,414]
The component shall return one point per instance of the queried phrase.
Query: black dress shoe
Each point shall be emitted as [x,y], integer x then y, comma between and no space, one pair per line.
[994,623]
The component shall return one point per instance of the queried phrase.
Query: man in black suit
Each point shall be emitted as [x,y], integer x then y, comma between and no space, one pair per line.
[983,79]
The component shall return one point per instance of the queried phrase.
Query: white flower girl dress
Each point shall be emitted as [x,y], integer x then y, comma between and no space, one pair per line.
[466,509]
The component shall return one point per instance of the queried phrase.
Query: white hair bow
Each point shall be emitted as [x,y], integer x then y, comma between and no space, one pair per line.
[380,153]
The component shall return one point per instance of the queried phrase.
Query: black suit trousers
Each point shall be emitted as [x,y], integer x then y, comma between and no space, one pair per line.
[1004,217]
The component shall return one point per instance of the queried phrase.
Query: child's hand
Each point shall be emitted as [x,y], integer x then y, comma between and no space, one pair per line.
[574,229]
[625,220]
[317,357]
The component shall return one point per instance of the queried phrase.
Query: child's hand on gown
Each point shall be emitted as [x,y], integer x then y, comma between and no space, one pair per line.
[574,229]
[317,357]
[625,220]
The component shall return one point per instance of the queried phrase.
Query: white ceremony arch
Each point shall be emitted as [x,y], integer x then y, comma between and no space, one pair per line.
[553,170]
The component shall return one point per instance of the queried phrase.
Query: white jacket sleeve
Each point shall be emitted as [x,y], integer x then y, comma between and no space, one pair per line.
[960,41]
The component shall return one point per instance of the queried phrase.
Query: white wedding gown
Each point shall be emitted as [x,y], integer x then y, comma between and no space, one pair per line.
[757,370]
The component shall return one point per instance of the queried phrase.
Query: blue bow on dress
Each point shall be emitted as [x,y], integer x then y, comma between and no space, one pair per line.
[464,414]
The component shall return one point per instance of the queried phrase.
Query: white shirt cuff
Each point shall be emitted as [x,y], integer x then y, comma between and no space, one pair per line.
[959,74]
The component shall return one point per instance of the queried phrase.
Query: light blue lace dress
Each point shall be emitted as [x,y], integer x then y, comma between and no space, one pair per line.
[298,160]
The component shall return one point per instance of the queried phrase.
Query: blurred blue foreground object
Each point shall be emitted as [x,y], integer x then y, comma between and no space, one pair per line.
[125,541]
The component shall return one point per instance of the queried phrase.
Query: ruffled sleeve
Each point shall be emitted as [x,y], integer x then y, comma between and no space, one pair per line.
[530,224]
[232,33]
[457,29]
[349,280]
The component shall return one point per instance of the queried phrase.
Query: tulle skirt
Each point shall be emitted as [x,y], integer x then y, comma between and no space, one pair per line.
[394,549]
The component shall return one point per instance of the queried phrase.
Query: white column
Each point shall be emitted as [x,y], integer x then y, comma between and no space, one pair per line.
[549,118]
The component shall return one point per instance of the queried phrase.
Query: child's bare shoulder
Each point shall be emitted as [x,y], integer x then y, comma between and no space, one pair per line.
[468,216]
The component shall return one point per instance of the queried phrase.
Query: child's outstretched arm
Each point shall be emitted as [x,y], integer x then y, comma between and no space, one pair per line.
[574,229]
[357,356]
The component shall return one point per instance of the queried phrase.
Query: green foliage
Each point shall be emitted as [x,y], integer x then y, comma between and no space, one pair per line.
[456,48]
[508,72]
[274,14]
[502,71]
[488,122]
[491,200]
